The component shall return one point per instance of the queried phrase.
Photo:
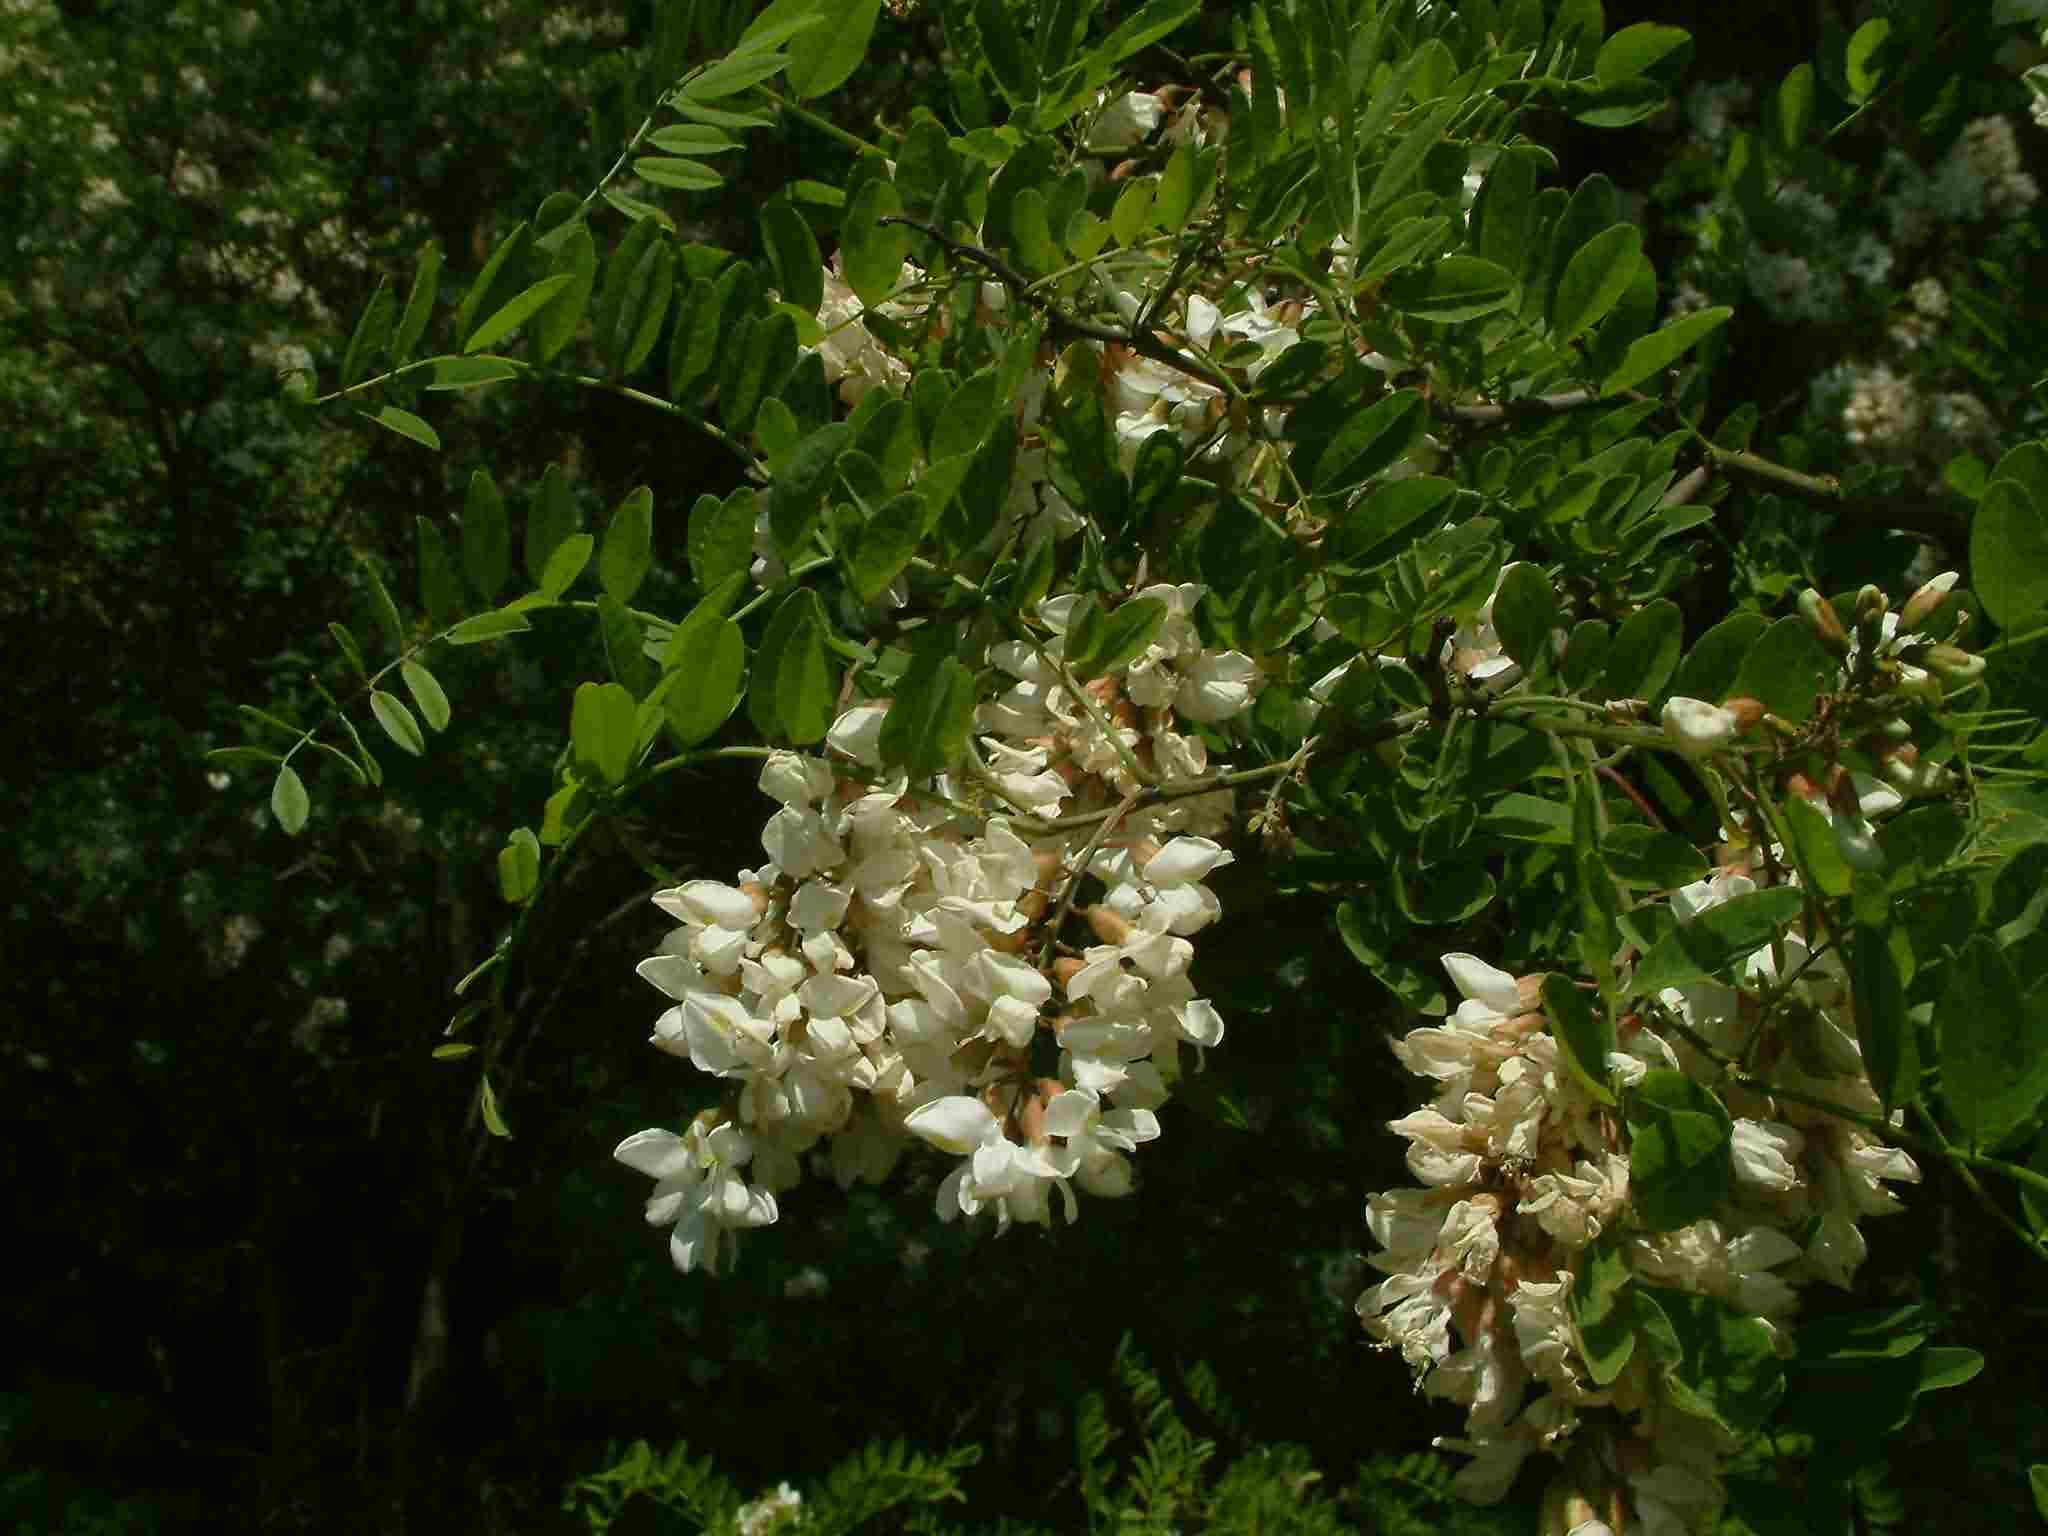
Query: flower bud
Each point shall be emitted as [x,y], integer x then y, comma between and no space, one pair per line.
[1870,604]
[1110,925]
[1923,605]
[1821,618]
[1747,711]
[1698,728]
[1953,663]
[1066,968]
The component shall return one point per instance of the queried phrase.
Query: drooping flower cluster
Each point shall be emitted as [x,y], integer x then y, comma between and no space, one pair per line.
[898,968]
[1523,1170]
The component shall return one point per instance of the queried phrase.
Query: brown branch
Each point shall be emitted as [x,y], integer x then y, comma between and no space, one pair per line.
[1064,325]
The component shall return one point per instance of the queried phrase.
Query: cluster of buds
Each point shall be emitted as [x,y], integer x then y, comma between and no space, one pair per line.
[1885,651]
[899,968]
[1522,1170]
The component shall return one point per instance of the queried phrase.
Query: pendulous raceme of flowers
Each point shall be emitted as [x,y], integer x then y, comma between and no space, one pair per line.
[901,967]
[1521,1170]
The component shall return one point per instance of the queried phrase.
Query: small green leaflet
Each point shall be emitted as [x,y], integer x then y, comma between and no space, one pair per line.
[398,722]
[288,802]
[426,693]
[405,424]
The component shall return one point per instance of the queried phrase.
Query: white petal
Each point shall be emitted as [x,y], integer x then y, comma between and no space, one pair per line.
[956,1124]
[1484,983]
[658,1154]
[1186,859]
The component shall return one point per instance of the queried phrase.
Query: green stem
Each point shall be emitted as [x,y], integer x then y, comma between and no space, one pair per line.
[824,125]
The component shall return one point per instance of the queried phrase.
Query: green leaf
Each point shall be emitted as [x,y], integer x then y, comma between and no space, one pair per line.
[796,499]
[1994,1045]
[1584,1031]
[687,175]
[881,547]
[694,346]
[1407,241]
[625,645]
[1786,669]
[498,282]
[634,303]
[565,565]
[1890,1043]
[347,764]
[1370,441]
[426,693]
[1819,857]
[1711,666]
[452,373]
[925,730]
[487,1105]
[1504,211]
[575,259]
[1400,166]
[486,537]
[765,358]
[793,254]
[385,609]
[628,546]
[1680,1160]
[373,329]
[1525,611]
[728,77]
[1096,641]
[1014,65]
[1452,288]
[1728,1368]
[870,252]
[800,689]
[288,801]
[1706,948]
[2009,553]
[405,424]
[1795,109]
[485,627]
[398,722]
[517,312]
[440,589]
[1593,281]
[825,57]
[1645,652]
[1602,1310]
[1660,349]
[1388,511]
[693,139]
[721,537]
[707,655]
[419,304]
[1861,68]
[346,640]
[518,868]
[1155,20]
[1639,50]
[550,518]
[1645,857]
[1174,198]
[603,730]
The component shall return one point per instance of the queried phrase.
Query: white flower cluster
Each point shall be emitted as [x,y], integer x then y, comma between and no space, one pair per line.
[1522,1169]
[895,971]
